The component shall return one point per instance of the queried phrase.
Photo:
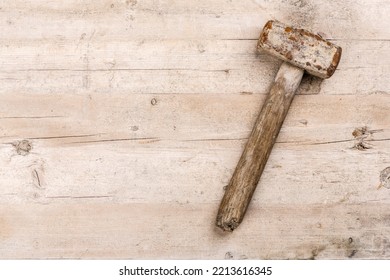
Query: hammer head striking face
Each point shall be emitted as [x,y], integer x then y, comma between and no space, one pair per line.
[301,48]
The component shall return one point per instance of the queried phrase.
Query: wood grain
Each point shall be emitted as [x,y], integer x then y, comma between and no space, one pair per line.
[246,176]
[110,175]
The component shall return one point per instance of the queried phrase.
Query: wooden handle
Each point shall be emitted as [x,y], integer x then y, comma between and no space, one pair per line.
[258,148]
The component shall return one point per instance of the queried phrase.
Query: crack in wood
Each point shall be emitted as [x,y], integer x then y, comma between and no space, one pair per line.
[36,175]
[215,139]
[79,197]
[156,139]
[117,69]
[329,39]
[117,140]
[32,117]
[63,136]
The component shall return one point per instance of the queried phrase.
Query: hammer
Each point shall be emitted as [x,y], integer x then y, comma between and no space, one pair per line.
[301,50]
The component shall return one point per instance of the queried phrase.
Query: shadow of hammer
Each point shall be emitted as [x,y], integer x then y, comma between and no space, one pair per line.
[301,50]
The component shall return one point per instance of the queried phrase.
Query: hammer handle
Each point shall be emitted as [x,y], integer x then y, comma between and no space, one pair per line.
[258,148]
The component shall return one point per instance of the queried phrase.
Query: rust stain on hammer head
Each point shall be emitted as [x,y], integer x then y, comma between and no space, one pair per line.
[301,48]
[335,62]
[267,27]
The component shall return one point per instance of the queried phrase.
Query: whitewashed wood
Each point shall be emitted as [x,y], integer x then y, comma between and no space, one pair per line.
[223,19]
[111,175]
[76,231]
[178,66]
[100,142]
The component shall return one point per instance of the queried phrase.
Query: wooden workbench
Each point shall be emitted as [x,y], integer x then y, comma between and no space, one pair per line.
[122,121]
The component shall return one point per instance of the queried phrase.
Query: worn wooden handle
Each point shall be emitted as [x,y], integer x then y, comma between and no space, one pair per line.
[258,148]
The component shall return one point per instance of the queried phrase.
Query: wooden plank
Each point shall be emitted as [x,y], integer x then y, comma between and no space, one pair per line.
[167,55]
[246,80]
[191,117]
[270,231]
[179,67]
[200,19]
[122,172]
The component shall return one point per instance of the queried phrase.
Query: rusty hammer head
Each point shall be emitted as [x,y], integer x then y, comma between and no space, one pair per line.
[300,48]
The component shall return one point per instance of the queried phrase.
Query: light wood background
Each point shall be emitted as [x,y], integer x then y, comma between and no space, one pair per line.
[122,121]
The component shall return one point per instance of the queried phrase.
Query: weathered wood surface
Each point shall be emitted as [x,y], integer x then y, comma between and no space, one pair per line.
[258,147]
[122,121]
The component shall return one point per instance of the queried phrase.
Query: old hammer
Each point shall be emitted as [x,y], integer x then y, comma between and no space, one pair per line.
[301,50]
